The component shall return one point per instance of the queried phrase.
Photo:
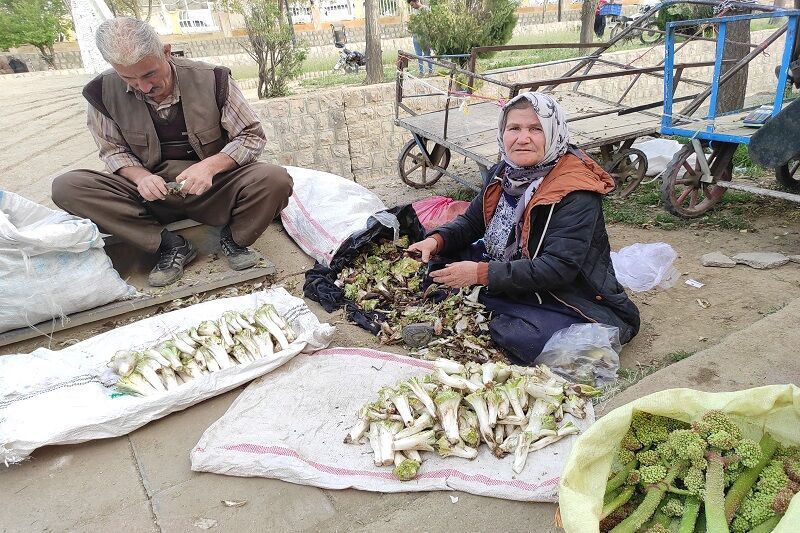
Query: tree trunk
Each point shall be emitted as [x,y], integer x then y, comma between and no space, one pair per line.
[737,45]
[587,20]
[373,52]
[48,54]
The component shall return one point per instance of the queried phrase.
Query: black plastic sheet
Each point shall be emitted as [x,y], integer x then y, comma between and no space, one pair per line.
[320,280]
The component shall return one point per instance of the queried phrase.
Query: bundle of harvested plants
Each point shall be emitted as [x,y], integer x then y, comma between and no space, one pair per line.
[704,476]
[233,339]
[511,409]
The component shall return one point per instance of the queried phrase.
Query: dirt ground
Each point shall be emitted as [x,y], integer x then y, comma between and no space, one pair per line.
[675,322]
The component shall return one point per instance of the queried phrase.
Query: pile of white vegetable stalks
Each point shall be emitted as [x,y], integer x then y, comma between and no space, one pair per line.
[236,338]
[511,409]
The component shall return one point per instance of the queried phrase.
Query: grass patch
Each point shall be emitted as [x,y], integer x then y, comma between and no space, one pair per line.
[680,355]
[771,310]
[742,164]
[461,193]
[341,79]
[737,210]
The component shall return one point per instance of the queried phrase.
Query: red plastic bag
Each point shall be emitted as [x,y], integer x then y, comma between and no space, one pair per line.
[437,210]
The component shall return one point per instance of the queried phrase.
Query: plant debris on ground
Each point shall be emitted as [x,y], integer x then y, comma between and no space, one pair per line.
[386,279]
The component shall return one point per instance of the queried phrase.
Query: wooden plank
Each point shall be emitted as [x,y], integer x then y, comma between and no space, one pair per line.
[479,118]
[119,308]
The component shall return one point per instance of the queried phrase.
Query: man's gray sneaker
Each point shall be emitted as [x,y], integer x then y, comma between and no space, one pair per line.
[171,262]
[239,257]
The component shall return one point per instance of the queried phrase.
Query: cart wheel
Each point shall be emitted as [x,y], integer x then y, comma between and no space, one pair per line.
[628,169]
[413,168]
[787,175]
[686,196]
[650,34]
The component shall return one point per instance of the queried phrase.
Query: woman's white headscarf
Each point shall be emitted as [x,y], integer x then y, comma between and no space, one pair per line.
[522,182]
[554,125]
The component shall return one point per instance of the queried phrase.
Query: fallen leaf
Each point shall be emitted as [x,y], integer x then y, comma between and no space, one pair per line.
[234,503]
[703,303]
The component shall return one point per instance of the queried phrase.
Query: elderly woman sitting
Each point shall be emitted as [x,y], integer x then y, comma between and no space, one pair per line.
[545,257]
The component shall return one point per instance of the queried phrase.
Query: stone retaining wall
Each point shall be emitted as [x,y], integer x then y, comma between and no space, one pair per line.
[350,131]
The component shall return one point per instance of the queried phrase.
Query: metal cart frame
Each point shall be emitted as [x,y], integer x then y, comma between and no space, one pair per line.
[436,135]
[691,189]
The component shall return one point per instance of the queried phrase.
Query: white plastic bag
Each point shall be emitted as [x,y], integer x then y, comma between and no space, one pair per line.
[51,264]
[659,153]
[584,353]
[290,424]
[325,209]
[644,266]
[56,397]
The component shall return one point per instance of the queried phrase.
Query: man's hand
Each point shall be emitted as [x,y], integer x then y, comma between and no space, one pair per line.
[426,247]
[152,187]
[457,275]
[196,179]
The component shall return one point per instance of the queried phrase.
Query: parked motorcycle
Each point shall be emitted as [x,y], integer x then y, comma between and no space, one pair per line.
[349,60]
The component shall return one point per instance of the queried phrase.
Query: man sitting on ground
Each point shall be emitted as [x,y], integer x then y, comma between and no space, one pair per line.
[179,140]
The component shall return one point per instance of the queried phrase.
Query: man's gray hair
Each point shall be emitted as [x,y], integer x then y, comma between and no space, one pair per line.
[126,41]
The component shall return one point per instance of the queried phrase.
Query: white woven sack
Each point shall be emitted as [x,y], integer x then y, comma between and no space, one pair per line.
[290,424]
[325,209]
[57,397]
[52,264]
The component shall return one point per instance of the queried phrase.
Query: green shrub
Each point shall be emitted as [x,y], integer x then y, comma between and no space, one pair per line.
[456,26]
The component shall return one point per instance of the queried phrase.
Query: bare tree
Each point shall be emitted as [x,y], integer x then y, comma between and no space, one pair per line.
[587,20]
[374,53]
[737,45]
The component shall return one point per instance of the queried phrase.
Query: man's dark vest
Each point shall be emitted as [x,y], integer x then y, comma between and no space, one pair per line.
[204,90]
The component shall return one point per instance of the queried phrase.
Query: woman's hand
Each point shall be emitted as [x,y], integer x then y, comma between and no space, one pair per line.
[457,275]
[426,247]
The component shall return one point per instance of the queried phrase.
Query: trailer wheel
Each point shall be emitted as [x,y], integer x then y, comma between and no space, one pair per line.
[683,193]
[788,177]
[415,170]
[628,169]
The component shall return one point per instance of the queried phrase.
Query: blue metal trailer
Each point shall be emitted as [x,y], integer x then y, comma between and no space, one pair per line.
[701,172]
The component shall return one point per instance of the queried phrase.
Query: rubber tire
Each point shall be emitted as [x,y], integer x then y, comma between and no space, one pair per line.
[787,180]
[404,151]
[649,38]
[668,183]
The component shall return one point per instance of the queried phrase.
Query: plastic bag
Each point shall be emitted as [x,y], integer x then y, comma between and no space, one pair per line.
[775,408]
[585,353]
[437,210]
[644,266]
[47,260]
[290,425]
[325,209]
[58,397]
[659,153]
